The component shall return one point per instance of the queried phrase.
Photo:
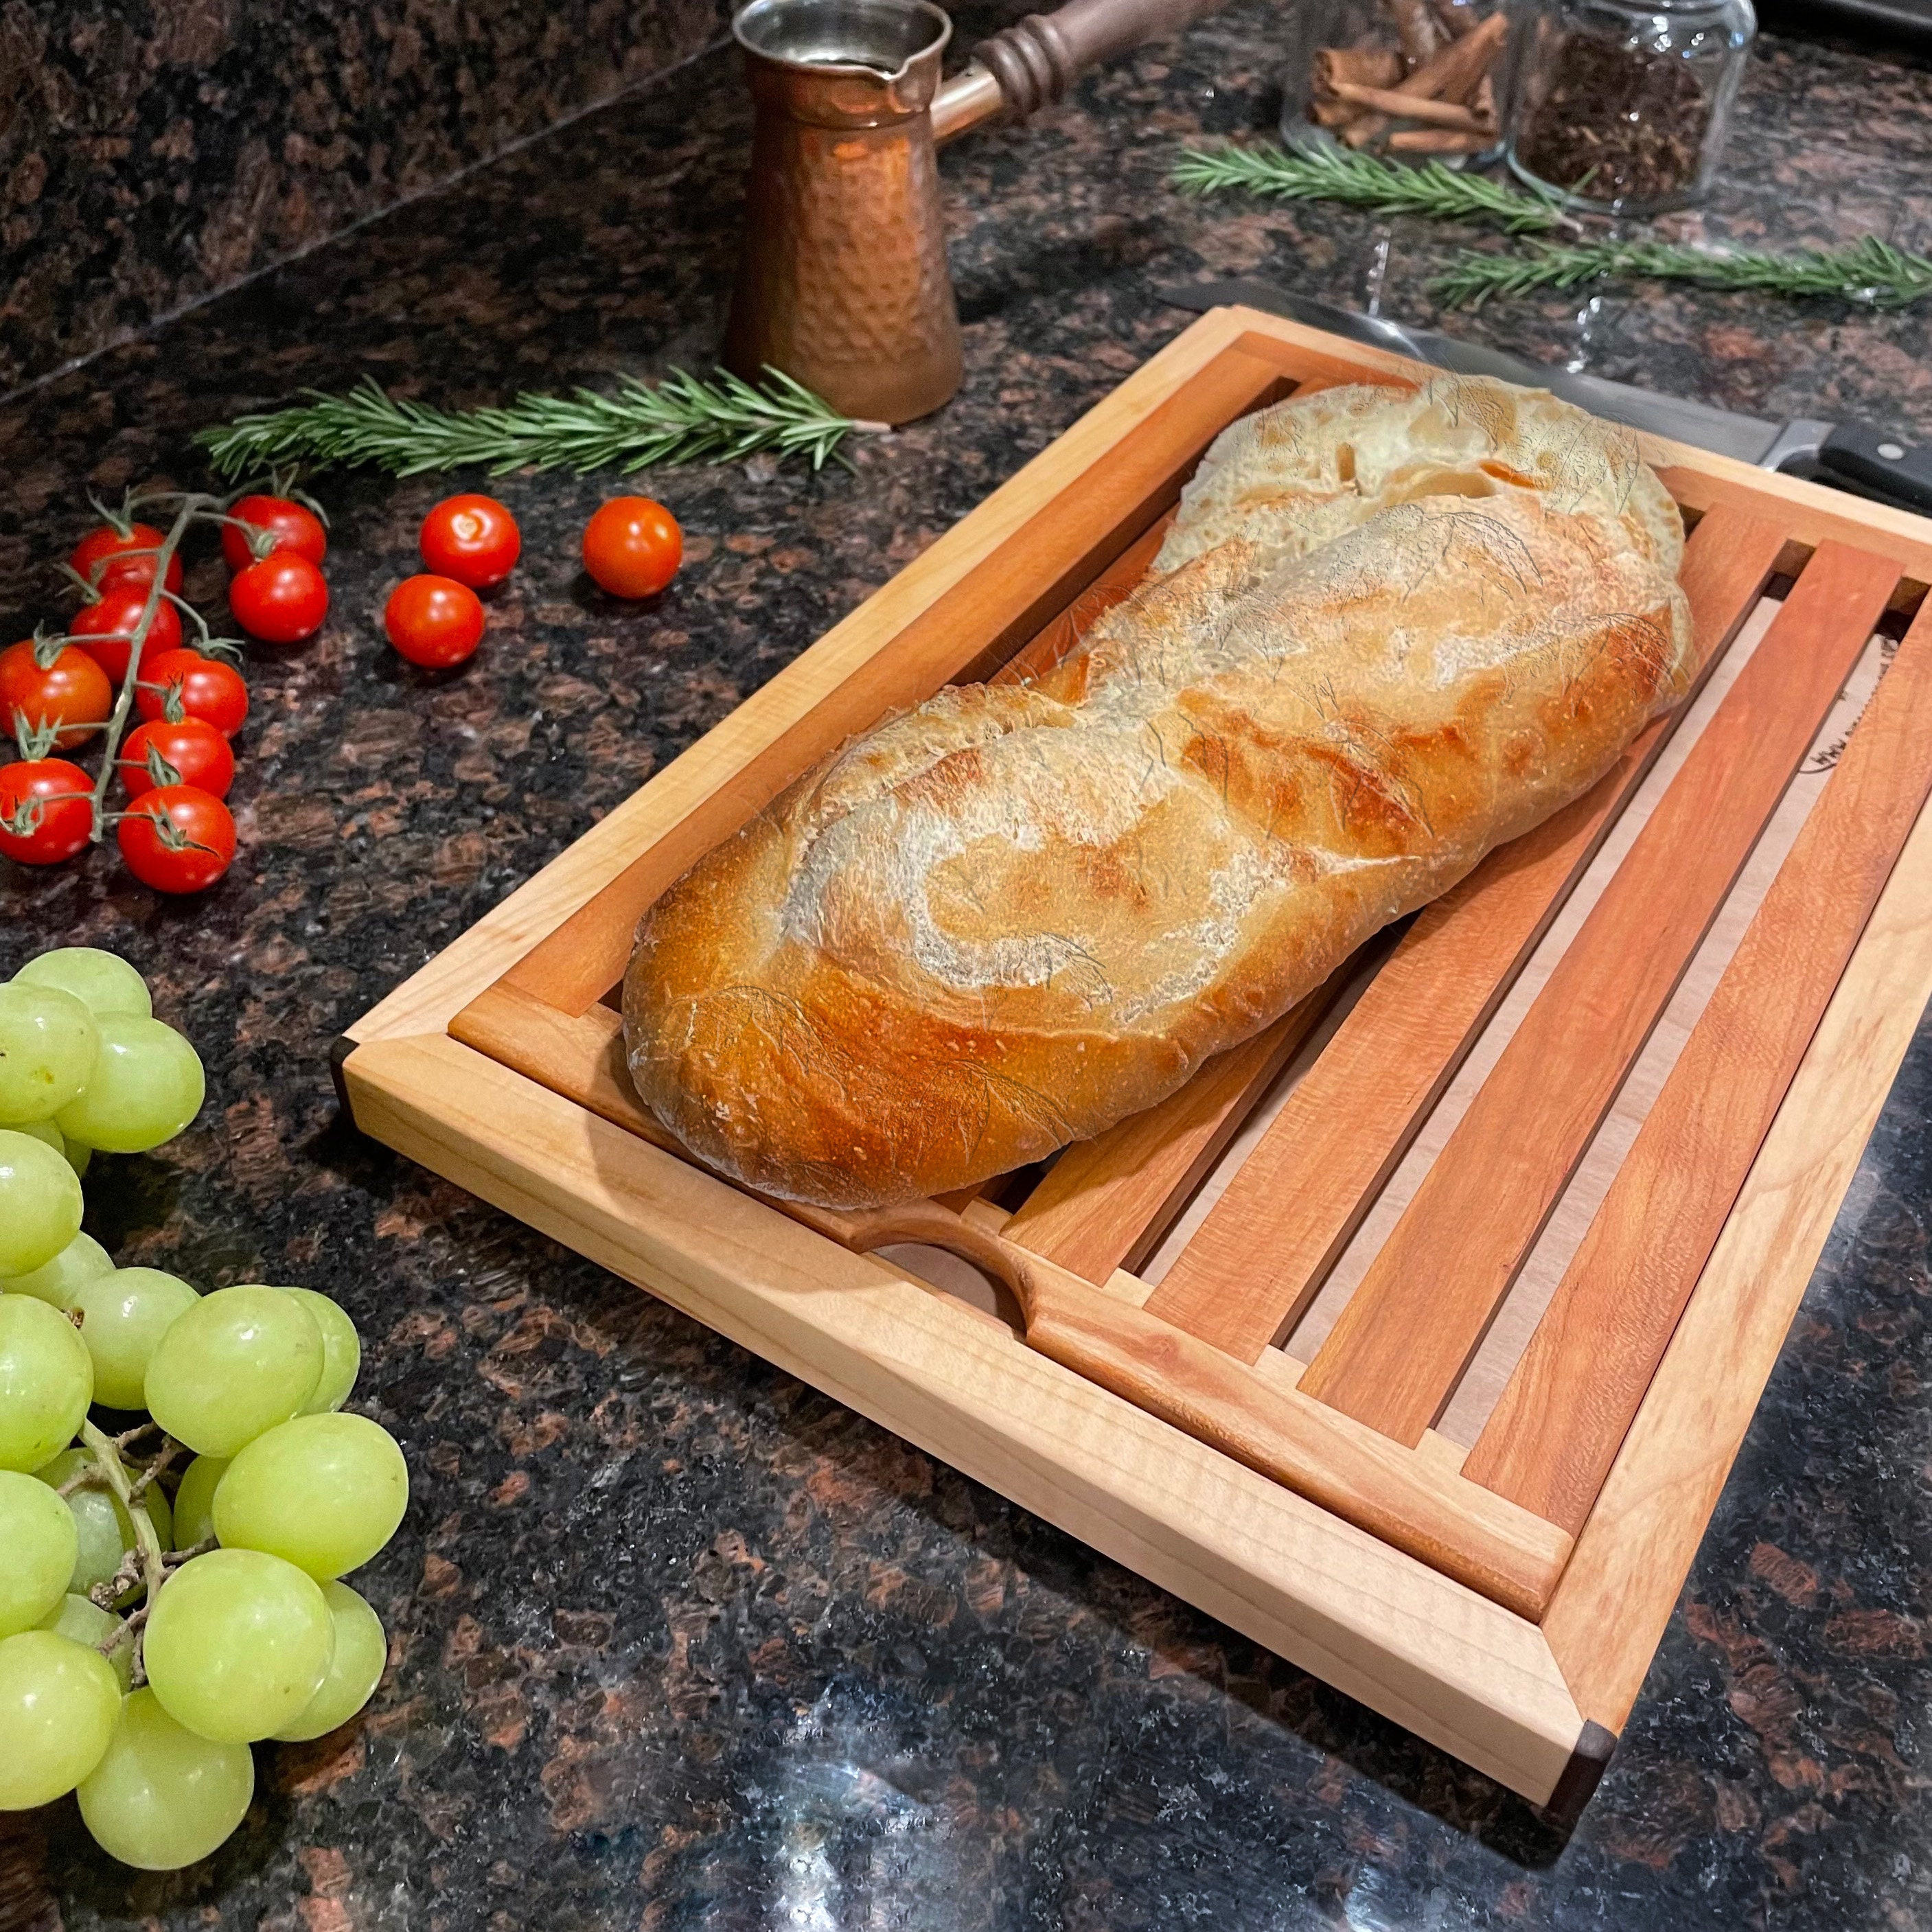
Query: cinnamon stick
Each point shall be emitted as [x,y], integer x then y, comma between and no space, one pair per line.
[1411,106]
[1329,112]
[1417,28]
[1438,141]
[1369,67]
[1366,67]
[1454,73]
[1356,90]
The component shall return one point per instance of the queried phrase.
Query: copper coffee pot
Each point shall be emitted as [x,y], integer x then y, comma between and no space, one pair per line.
[843,282]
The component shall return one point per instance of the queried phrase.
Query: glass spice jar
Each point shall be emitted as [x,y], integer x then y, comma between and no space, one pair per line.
[1418,80]
[1624,106]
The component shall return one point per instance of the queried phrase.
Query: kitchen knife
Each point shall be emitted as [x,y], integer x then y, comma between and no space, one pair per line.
[1853,456]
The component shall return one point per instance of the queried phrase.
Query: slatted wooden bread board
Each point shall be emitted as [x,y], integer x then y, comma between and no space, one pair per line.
[1502,1595]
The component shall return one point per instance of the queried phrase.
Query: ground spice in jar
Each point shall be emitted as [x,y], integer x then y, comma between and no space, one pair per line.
[1633,122]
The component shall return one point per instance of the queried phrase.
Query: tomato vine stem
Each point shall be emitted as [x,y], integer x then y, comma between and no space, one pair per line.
[192,504]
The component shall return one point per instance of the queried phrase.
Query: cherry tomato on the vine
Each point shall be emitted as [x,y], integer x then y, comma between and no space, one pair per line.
[288,528]
[104,629]
[46,814]
[107,547]
[191,753]
[177,839]
[632,547]
[434,621]
[68,689]
[473,539]
[281,600]
[205,688]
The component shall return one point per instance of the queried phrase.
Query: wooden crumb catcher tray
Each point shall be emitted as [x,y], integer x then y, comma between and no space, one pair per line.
[1415,1337]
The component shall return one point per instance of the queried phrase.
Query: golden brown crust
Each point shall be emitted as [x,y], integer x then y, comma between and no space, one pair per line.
[1386,634]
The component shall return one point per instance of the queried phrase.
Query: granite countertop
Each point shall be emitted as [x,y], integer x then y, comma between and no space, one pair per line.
[676,1641]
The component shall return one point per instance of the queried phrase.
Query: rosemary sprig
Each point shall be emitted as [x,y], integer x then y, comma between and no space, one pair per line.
[681,419]
[1318,172]
[1869,271]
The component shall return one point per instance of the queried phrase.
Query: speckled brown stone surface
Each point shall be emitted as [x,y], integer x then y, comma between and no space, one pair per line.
[154,150]
[679,1643]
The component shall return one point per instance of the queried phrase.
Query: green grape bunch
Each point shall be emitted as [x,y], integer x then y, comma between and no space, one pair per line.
[171,1594]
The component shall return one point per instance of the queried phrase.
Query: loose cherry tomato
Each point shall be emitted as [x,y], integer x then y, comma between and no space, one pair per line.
[104,629]
[191,753]
[177,839]
[53,684]
[281,600]
[433,621]
[285,526]
[632,547]
[473,539]
[105,546]
[204,687]
[45,815]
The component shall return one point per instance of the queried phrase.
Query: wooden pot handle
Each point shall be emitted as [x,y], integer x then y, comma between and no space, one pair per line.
[1037,61]
[1031,65]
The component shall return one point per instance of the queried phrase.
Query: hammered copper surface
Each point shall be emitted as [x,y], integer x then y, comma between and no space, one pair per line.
[843,282]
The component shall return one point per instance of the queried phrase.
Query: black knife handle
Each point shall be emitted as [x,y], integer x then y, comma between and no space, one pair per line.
[1879,462]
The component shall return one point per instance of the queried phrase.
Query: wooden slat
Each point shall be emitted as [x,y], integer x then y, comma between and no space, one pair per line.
[1268,1243]
[1553,1435]
[580,1058]
[1426,1299]
[1809,514]
[1406,1499]
[1062,636]
[1313,360]
[1003,602]
[1408,1641]
[1106,1203]
[1623,1580]
[580,1055]
[961,1198]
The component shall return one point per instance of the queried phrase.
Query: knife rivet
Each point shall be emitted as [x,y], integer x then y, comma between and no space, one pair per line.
[1890,451]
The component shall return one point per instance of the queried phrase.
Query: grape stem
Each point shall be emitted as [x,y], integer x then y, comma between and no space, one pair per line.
[124,700]
[147,1564]
[123,1632]
[166,1454]
[107,1594]
[107,1457]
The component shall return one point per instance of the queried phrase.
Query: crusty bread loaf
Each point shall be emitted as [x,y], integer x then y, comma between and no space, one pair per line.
[1387,630]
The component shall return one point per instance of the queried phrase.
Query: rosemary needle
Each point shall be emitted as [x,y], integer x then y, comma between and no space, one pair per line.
[681,419]
[1319,172]
[1868,270]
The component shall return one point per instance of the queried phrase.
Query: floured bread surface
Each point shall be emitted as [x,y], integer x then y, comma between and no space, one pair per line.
[1387,630]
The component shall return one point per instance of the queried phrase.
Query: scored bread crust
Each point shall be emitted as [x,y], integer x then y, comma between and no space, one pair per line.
[1387,631]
